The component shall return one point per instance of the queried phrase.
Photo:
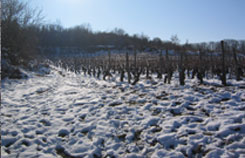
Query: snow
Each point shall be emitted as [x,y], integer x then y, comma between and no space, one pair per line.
[63,114]
[168,140]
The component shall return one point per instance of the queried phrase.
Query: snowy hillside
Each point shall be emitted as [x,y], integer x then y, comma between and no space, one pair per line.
[67,115]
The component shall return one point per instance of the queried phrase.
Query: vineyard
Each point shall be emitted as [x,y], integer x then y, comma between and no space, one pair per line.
[56,112]
[132,64]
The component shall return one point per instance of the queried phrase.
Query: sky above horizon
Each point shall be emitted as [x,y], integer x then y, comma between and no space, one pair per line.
[192,20]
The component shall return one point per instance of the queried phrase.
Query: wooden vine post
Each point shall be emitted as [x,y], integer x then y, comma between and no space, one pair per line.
[223,76]
[181,70]
[127,68]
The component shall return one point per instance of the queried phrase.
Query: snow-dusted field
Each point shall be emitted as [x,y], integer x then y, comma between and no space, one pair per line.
[75,116]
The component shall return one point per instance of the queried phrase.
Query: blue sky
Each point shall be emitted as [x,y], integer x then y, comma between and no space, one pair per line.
[192,20]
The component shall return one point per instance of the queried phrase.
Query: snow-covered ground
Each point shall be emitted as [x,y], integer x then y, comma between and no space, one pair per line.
[67,115]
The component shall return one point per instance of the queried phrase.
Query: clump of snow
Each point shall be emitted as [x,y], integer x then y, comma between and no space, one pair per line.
[63,133]
[168,140]
[152,121]
[8,141]
[115,103]
[165,153]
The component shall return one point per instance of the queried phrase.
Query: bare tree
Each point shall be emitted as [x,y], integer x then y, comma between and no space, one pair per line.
[19,26]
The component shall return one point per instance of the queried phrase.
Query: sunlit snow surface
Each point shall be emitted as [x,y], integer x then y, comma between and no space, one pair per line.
[66,115]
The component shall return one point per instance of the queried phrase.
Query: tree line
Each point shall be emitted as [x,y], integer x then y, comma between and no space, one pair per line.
[23,31]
